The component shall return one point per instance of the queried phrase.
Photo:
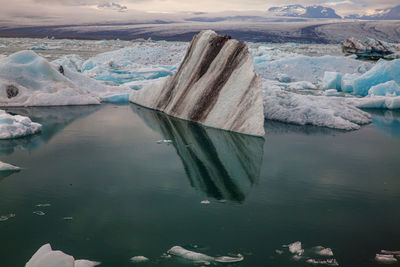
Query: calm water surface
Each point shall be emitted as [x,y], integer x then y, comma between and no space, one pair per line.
[129,196]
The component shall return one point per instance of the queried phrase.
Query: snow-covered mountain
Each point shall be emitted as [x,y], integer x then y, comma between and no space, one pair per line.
[304,12]
[392,13]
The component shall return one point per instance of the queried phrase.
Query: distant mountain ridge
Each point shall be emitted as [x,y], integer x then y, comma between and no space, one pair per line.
[392,13]
[305,12]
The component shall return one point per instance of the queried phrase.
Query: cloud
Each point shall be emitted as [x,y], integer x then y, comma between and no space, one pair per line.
[112,6]
[29,12]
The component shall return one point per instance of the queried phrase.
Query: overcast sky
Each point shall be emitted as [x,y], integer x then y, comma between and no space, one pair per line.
[74,11]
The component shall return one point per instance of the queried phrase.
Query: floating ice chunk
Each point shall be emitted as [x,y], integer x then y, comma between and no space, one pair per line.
[329,262]
[347,82]
[68,218]
[43,205]
[190,255]
[16,126]
[331,92]
[139,259]
[6,217]
[46,257]
[27,79]
[203,258]
[379,102]
[390,88]
[278,251]
[331,80]
[295,248]
[384,258]
[228,259]
[382,72]
[164,142]
[206,202]
[323,251]
[39,212]
[8,167]
[389,252]
[332,112]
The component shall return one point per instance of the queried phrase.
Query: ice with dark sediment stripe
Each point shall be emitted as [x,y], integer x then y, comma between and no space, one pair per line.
[215,85]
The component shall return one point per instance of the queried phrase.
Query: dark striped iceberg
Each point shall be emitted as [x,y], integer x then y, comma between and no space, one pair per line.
[215,85]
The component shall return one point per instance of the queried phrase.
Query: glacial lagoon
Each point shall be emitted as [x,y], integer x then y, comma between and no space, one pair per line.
[97,185]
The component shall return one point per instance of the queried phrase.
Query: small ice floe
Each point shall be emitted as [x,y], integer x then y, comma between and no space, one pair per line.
[179,251]
[164,142]
[139,259]
[329,262]
[295,248]
[278,251]
[68,218]
[6,217]
[8,167]
[205,202]
[39,212]
[45,256]
[166,256]
[389,252]
[385,258]
[43,205]
[14,126]
[320,250]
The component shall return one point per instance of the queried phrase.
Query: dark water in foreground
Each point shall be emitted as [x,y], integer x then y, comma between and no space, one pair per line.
[129,196]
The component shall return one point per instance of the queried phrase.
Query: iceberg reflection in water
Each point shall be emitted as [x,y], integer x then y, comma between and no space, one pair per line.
[224,165]
[53,120]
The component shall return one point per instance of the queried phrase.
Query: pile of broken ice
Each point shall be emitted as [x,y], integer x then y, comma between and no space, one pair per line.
[296,88]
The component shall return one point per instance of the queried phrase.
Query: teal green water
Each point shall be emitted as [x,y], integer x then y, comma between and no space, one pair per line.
[129,196]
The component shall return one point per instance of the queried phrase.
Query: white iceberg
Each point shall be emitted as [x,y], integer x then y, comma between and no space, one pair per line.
[295,248]
[16,126]
[385,258]
[375,102]
[331,80]
[332,112]
[347,82]
[322,251]
[8,167]
[390,88]
[46,257]
[26,79]
[179,251]
[384,71]
[139,259]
